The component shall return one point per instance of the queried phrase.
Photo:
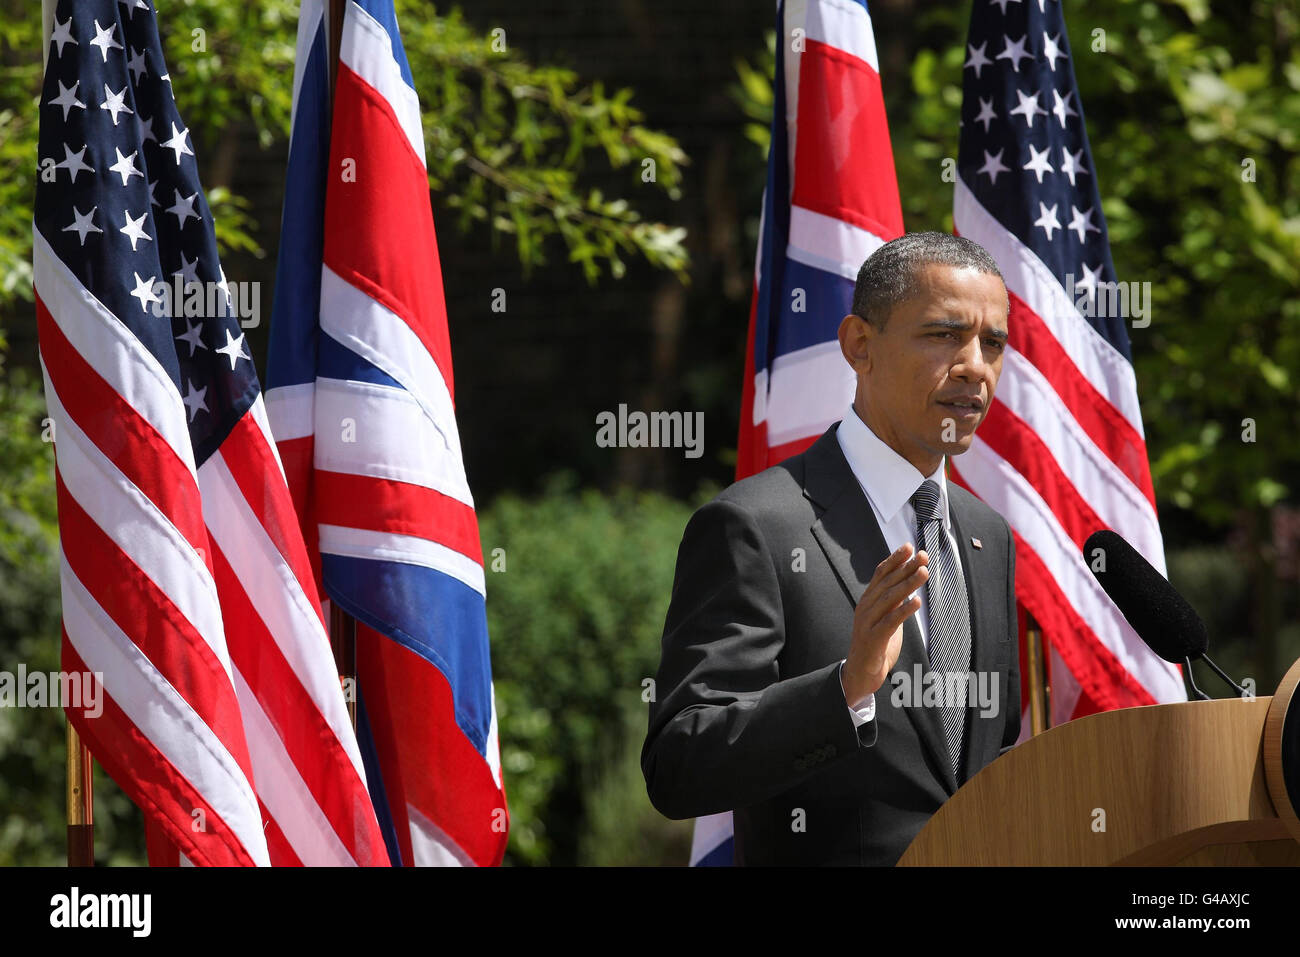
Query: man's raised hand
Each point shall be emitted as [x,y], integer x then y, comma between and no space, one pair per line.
[878,621]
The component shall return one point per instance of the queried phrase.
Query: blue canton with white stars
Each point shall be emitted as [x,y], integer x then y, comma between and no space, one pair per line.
[125,211]
[1024,149]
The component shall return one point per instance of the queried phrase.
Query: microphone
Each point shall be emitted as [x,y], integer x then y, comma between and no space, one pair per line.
[1160,616]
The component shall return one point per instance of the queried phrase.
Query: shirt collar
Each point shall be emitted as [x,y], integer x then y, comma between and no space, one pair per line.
[888,479]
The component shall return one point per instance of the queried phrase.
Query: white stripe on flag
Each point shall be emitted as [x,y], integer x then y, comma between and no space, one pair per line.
[288,799]
[384,339]
[408,549]
[377,430]
[367,50]
[289,407]
[845,26]
[430,846]
[810,389]
[276,596]
[139,528]
[829,244]
[161,715]
[1098,480]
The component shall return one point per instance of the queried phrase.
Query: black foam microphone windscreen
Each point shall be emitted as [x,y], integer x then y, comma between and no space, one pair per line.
[1161,617]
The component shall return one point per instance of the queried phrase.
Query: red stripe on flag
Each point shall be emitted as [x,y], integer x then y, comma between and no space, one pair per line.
[411,713]
[1096,415]
[152,782]
[278,847]
[296,455]
[779,453]
[379,233]
[147,616]
[307,737]
[844,164]
[1094,666]
[1019,445]
[386,505]
[120,433]
[248,457]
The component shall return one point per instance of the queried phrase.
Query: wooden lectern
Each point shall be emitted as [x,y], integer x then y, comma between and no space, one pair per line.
[1200,782]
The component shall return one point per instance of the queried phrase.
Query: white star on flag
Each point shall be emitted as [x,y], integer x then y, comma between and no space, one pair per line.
[183,209]
[114,103]
[993,166]
[1047,219]
[62,35]
[104,39]
[144,291]
[233,349]
[977,59]
[1028,107]
[177,143]
[1038,162]
[67,98]
[125,166]
[1015,52]
[1081,220]
[194,399]
[83,224]
[74,163]
[134,229]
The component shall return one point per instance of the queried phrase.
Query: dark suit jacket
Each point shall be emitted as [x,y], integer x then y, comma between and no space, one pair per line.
[749,712]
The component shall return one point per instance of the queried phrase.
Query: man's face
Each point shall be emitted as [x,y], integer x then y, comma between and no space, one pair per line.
[925,381]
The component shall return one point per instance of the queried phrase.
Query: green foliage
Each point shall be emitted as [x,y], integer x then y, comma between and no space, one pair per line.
[623,827]
[509,143]
[575,621]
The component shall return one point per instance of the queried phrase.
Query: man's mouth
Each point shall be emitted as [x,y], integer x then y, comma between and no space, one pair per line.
[964,407]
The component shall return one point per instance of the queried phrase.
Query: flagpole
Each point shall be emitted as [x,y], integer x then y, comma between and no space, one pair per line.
[343,627]
[79,796]
[1036,665]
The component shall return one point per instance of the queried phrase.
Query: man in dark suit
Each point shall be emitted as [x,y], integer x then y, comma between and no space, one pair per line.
[798,685]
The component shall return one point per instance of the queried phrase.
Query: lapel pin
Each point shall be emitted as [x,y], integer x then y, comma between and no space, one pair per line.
[976,542]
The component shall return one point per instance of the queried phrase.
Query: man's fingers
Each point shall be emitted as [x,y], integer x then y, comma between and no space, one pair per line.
[889,597]
[899,571]
[889,624]
[900,614]
[895,559]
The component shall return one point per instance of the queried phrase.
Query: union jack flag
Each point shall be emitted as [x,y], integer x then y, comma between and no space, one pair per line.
[185,581]
[831,200]
[360,399]
[1061,452]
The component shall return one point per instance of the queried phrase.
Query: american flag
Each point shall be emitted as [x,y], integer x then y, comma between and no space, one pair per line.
[831,200]
[361,403]
[1061,452]
[185,581]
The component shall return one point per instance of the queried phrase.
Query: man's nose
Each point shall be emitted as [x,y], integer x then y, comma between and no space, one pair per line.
[970,365]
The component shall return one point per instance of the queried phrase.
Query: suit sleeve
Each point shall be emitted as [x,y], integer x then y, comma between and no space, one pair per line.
[725,730]
[1011,730]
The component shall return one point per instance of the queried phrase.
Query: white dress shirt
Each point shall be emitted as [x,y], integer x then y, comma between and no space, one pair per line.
[889,481]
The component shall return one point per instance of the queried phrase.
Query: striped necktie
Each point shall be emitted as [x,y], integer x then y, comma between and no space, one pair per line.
[948,643]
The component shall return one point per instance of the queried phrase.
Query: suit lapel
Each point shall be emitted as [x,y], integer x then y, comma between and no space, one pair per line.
[848,534]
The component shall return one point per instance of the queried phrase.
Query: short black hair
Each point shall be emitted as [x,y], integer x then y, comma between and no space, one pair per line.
[888,276]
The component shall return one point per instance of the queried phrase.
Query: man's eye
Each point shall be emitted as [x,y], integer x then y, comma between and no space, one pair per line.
[996,344]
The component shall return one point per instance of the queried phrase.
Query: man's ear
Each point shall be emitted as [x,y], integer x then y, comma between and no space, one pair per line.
[856,336]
